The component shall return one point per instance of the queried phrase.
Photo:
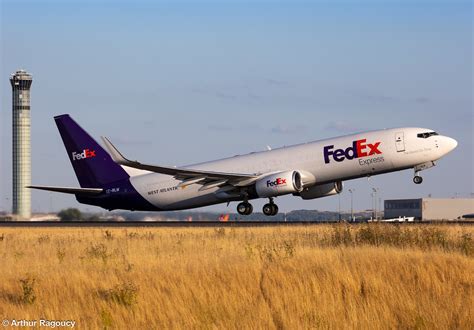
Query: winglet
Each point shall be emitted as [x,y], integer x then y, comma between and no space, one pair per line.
[114,153]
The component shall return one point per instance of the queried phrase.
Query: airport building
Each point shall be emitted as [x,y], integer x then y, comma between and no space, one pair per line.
[21,84]
[429,208]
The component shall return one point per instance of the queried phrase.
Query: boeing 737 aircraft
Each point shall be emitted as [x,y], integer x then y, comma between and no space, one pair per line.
[310,170]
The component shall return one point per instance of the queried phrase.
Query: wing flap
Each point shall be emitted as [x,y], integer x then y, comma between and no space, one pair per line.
[213,184]
[191,181]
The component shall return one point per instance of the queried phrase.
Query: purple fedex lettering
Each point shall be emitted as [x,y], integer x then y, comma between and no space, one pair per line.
[352,150]
[339,155]
[357,150]
[327,151]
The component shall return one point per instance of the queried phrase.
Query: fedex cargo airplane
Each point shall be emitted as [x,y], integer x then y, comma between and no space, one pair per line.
[309,170]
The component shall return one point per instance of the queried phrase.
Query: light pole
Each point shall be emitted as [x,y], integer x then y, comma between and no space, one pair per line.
[339,207]
[380,207]
[375,201]
[372,206]
[352,208]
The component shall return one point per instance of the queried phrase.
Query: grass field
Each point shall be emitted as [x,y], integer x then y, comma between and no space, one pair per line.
[326,276]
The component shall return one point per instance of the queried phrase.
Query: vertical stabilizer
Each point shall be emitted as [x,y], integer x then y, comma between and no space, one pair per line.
[93,165]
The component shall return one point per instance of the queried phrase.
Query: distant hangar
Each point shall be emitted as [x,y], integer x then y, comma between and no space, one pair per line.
[429,208]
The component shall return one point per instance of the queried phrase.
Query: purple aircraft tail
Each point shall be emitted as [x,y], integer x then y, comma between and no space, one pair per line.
[93,166]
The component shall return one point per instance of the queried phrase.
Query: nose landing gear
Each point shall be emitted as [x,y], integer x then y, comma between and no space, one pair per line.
[417,178]
[270,209]
[420,167]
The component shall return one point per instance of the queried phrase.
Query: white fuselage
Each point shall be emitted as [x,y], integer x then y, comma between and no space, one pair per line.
[382,151]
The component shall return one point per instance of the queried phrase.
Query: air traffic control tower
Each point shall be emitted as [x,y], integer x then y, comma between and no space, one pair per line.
[21,84]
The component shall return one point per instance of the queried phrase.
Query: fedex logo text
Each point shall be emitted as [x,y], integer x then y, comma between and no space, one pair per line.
[277,182]
[358,149]
[86,153]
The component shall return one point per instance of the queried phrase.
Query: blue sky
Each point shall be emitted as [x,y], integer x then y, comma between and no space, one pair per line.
[175,83]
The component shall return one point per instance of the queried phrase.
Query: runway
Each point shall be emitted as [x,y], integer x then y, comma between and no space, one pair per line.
[171,224]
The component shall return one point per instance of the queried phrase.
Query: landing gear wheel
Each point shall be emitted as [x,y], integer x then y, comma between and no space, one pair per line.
[244,208]
[417,179]
[275,209]
[270,209]
[249,209]
[267,209]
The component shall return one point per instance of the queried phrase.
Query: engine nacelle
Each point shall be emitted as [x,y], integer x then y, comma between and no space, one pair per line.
[279,184]
[322,190]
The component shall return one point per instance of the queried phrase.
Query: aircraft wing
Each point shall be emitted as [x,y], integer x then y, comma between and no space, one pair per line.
[68,190]
[188,176]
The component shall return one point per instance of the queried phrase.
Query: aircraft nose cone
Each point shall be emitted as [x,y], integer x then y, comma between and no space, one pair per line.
[451,144]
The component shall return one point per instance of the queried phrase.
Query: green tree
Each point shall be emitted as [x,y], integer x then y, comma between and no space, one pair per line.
[70,214]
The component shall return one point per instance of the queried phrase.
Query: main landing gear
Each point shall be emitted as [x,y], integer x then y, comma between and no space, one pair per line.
[417,179]
[245,208]
[270,209]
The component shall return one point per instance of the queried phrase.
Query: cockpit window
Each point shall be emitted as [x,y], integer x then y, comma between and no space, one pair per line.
[426,135]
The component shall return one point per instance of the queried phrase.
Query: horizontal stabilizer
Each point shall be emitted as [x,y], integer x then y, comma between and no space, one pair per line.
[69,190]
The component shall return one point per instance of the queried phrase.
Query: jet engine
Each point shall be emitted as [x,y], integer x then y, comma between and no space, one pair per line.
[280,183]
[321,190]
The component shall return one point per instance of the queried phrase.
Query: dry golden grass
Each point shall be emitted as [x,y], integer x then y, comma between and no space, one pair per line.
[366,276]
